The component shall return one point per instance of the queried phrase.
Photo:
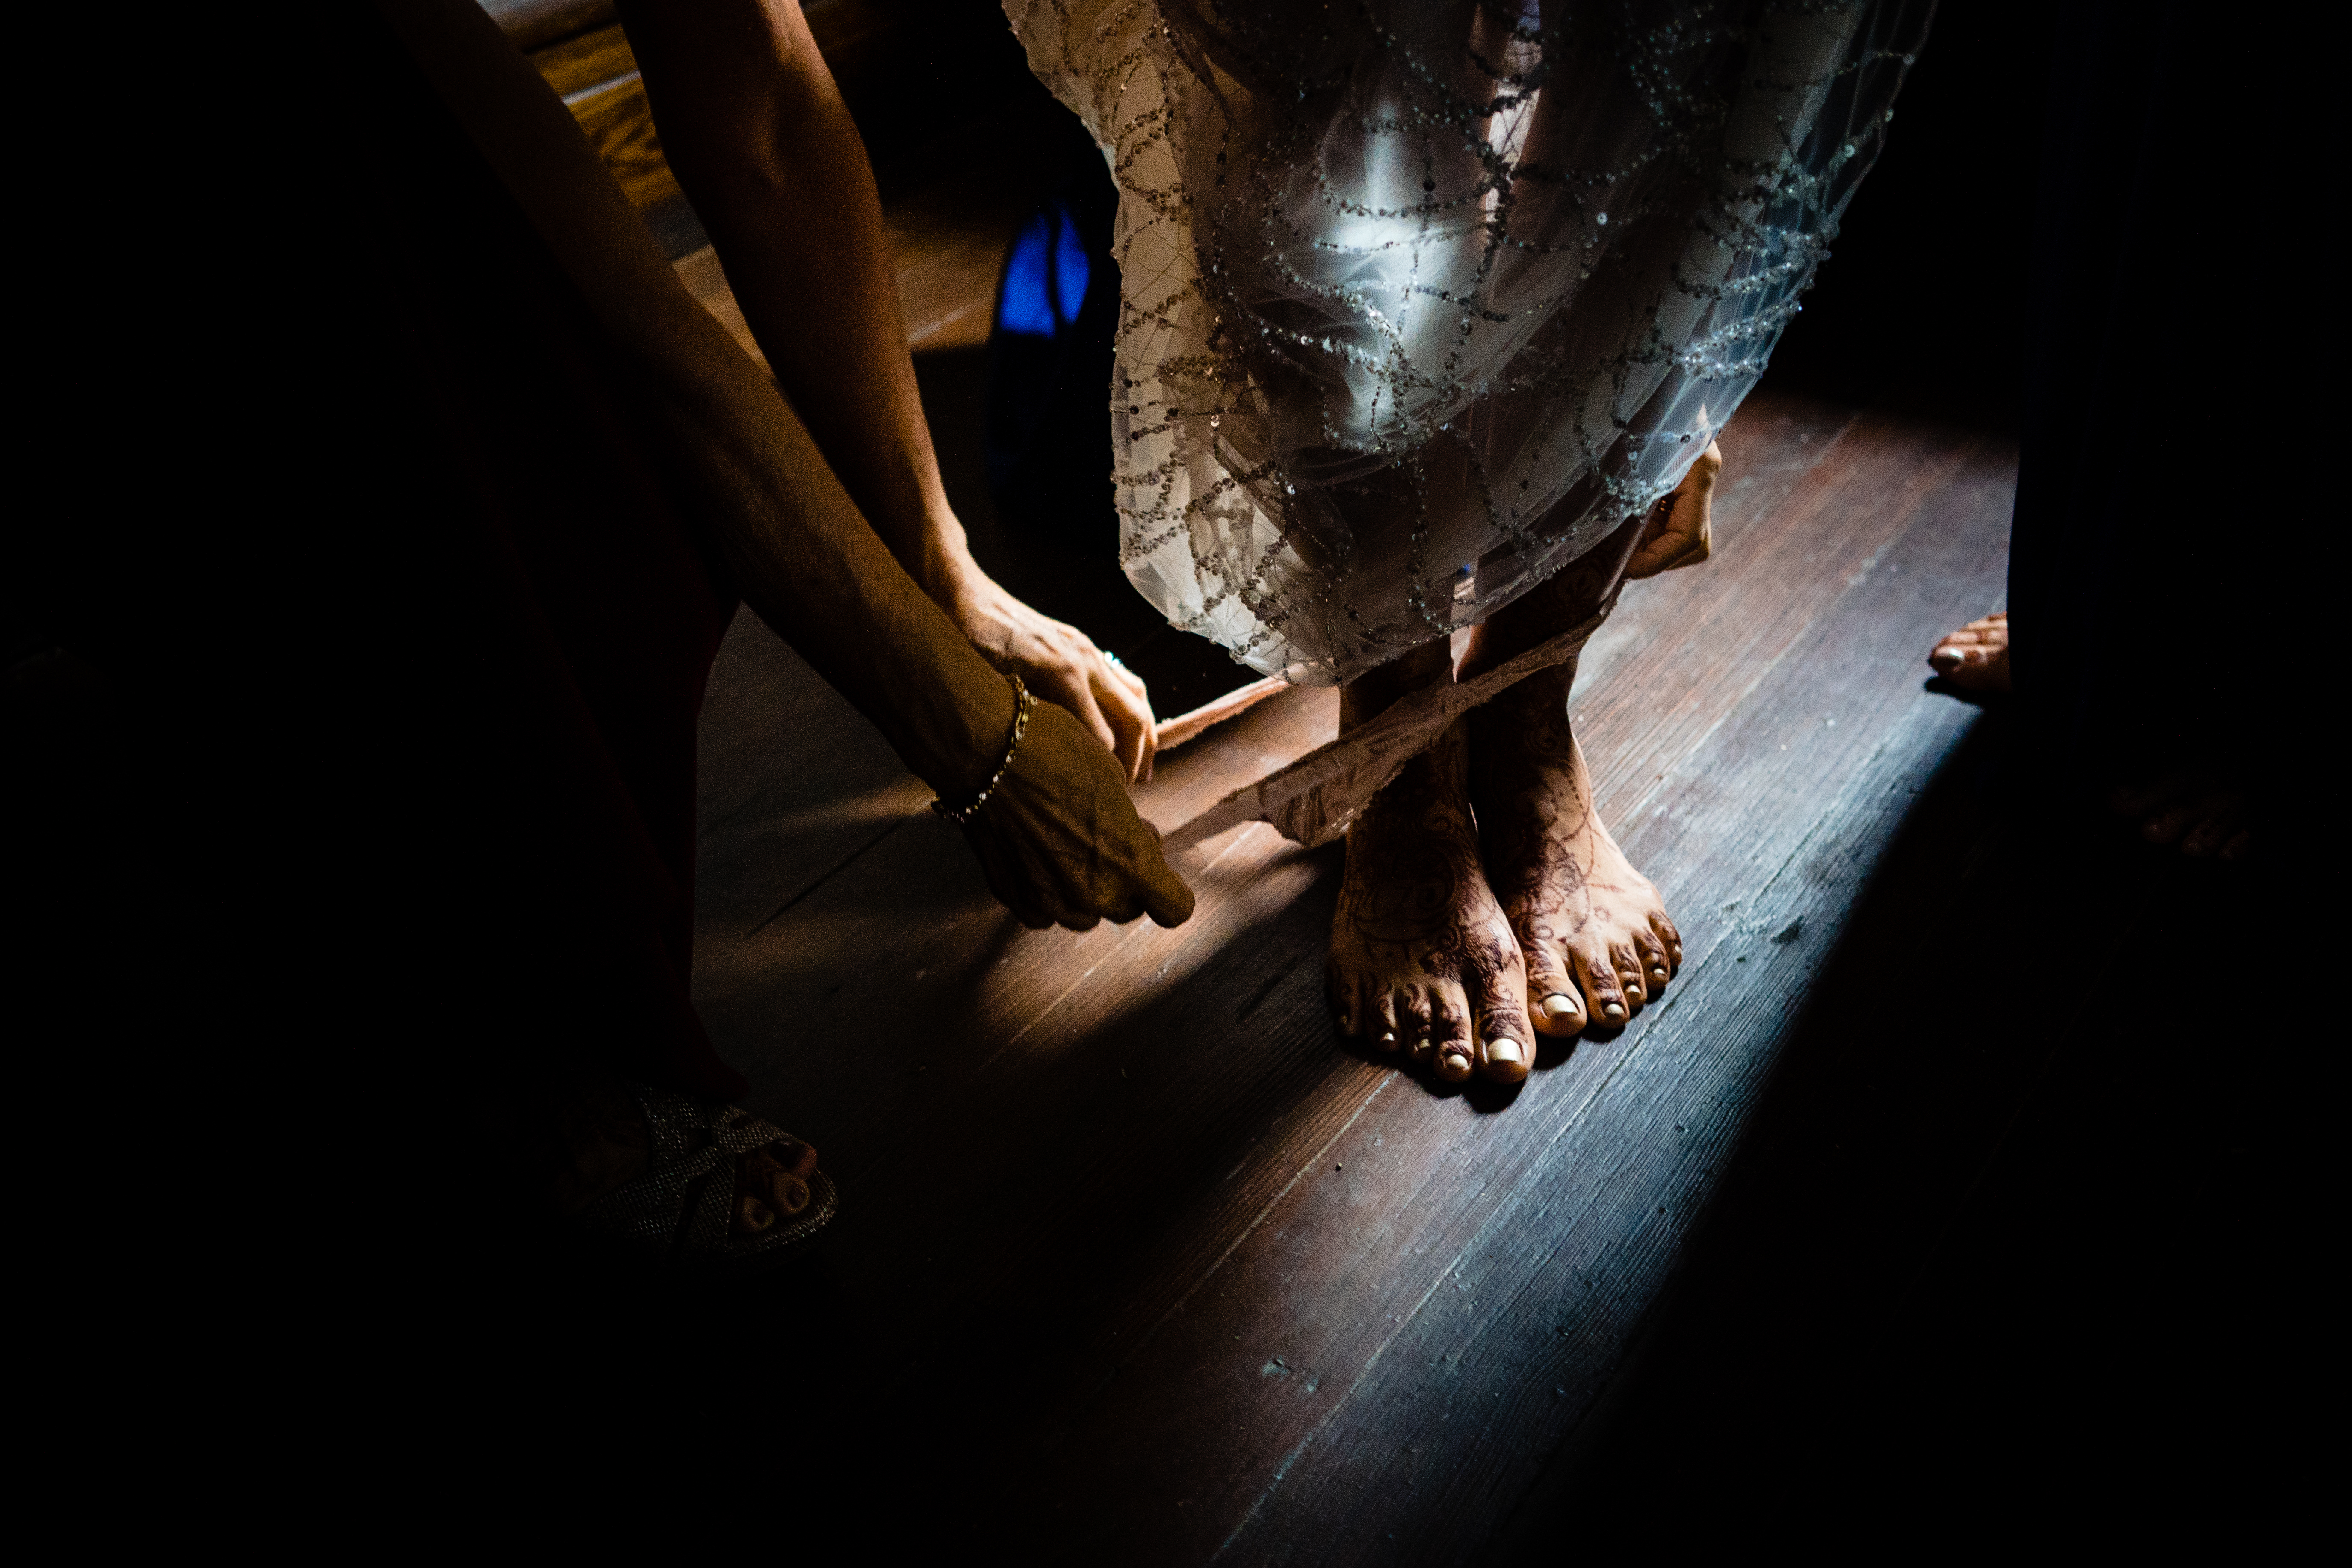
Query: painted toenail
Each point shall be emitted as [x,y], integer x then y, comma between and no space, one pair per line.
[1560,1004]
[1504,1050]
[1659,973]
[1613,1010]
[1387,1040]
[792,1192]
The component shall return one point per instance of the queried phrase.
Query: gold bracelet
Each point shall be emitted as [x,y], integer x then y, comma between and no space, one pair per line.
[1021,703]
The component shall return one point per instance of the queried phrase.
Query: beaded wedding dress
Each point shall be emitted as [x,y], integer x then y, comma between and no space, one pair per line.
[1423,298]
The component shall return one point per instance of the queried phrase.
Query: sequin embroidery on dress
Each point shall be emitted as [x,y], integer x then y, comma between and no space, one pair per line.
[1423,300]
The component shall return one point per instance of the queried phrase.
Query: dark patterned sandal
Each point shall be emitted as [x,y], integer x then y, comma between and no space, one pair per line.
[682,1213]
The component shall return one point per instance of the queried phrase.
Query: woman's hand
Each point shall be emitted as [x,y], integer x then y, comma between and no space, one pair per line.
[1060,841]
[1061,664]
[1681,530]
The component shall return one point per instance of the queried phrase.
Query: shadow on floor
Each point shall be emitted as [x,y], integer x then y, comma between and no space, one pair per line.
[1988,1251]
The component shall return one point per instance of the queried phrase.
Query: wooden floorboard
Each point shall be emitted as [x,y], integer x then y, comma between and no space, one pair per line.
[1576,1164]
[1951,1252]
[947,240]
[1224,1289]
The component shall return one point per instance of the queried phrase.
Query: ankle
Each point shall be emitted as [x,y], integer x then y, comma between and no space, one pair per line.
[1372,693]
[1538,702]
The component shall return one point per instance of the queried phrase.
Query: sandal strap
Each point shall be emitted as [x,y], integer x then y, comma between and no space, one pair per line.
[683,1207]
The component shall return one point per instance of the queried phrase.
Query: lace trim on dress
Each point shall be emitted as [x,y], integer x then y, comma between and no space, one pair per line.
[1420,302]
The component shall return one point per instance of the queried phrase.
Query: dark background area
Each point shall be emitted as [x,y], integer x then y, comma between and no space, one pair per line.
[2002,1249]
[2005,1254]
[1921,307]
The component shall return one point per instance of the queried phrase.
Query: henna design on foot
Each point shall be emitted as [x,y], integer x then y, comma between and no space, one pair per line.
[1598,944]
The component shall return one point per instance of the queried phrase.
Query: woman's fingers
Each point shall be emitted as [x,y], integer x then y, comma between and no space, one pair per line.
[1136,707]
[1008,879]
[1060,838]
[1650,555]
[1682,532]
[1061,665]
[1126,705]
[1089,713]
[1144,883]
[1116,711]
[1664,544]
[1166,899]
[1127,710]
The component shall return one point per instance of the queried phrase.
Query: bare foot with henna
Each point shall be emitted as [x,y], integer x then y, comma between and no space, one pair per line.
[1421,957]
[1450,919]
[1598,941]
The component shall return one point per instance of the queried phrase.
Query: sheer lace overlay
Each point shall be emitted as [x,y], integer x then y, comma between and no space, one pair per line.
[1420,300]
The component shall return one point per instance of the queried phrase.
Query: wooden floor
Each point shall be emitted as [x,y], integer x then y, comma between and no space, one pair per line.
[947,245]
[2003,1240]
[1127,1231]
[1885,1214]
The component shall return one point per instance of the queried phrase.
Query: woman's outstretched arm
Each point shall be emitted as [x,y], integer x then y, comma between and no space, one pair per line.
[1059,838]
[758,135]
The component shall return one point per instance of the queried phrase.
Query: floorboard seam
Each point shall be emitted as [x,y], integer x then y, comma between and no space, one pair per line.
[1066,992]
[1505,1213]
[1836,810]
[849,860]
[1740,715]
[1755,676]
[1313,1161]
[1404,1321]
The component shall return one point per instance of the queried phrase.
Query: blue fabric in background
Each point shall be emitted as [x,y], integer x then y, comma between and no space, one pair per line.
[1070,270]
[1047,435]
[1045,276]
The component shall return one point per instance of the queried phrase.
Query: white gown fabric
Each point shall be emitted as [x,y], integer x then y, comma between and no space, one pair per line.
[1421,298]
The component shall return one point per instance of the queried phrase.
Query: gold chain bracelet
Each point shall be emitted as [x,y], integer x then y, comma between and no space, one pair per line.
[1022,702]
